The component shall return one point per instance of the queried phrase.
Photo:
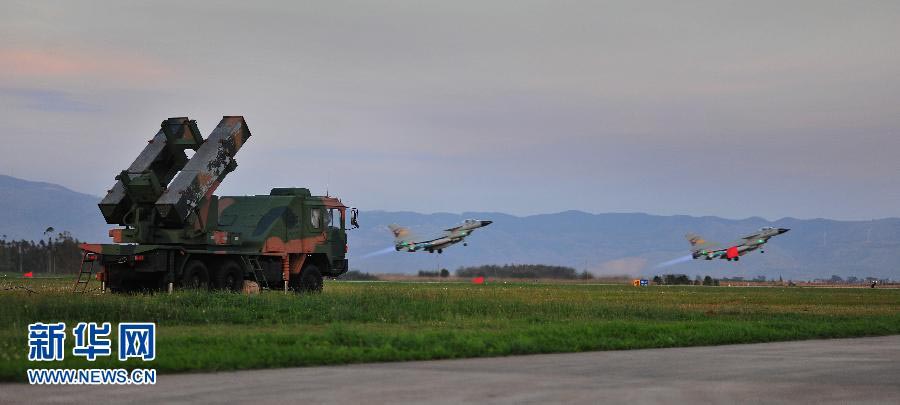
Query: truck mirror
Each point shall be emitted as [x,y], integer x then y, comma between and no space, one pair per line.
[354,213]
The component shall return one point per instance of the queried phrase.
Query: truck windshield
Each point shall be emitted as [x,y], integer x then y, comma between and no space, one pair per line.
[335,218]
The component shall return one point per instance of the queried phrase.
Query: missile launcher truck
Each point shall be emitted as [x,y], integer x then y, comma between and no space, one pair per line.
[175,233]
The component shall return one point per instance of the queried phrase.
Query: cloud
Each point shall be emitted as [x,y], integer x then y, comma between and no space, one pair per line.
[729,109]
[18,64]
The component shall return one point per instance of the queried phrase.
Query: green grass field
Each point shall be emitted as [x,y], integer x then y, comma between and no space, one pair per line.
[383,321]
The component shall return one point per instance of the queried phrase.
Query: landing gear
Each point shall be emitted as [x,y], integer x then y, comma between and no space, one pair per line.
[440,251]
[465,244]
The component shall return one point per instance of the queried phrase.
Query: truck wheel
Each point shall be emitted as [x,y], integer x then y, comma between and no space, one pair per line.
[195,276]
[228,277]
[310,280]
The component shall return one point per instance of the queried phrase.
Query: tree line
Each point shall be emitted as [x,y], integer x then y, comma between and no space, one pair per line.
[59,255]
[836,279]
[683,279]
[356,275]
[523,271]
[443,273]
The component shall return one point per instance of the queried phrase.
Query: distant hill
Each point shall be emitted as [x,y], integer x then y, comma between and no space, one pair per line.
[613,244]
[605,244]
[27,208]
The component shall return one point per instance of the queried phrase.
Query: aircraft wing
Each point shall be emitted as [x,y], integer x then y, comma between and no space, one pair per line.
[431,240]
[755,239]
[403,234]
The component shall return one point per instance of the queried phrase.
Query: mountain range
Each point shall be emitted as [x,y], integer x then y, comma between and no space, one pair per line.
[604,244]
[636,244]
[28,208]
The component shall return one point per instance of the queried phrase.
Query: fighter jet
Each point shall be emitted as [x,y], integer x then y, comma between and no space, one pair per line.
[404,241]
[708,250]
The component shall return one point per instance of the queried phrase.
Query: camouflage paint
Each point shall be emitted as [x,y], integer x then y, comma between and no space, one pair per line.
[166,203]
[703,249]
[201,176]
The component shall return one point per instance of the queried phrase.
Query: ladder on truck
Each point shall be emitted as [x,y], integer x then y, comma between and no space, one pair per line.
[85,273]
[259,275]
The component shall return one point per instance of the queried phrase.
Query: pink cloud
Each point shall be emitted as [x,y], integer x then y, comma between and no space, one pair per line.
[19,63]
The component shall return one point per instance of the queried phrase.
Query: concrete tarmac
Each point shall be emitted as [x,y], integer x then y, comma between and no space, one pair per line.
[863,370]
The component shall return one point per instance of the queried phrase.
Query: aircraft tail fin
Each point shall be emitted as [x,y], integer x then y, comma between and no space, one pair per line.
[401,233]
[698,242]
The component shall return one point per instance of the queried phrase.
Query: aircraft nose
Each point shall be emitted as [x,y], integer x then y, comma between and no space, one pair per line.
[486,223]
[782,230]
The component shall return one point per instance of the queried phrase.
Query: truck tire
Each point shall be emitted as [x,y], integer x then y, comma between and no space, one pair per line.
[195,276]
[228,277]
[309,280]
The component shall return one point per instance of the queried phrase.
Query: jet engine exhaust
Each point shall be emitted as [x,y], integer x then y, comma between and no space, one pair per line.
[381,252]
[673,262]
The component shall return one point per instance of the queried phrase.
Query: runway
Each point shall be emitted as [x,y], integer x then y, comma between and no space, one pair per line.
[862,370]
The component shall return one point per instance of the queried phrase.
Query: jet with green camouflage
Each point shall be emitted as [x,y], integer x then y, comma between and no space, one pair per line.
[404,241]
[703,249]
[175,233]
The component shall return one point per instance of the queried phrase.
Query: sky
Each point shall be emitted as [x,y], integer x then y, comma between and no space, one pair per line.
[733,109]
